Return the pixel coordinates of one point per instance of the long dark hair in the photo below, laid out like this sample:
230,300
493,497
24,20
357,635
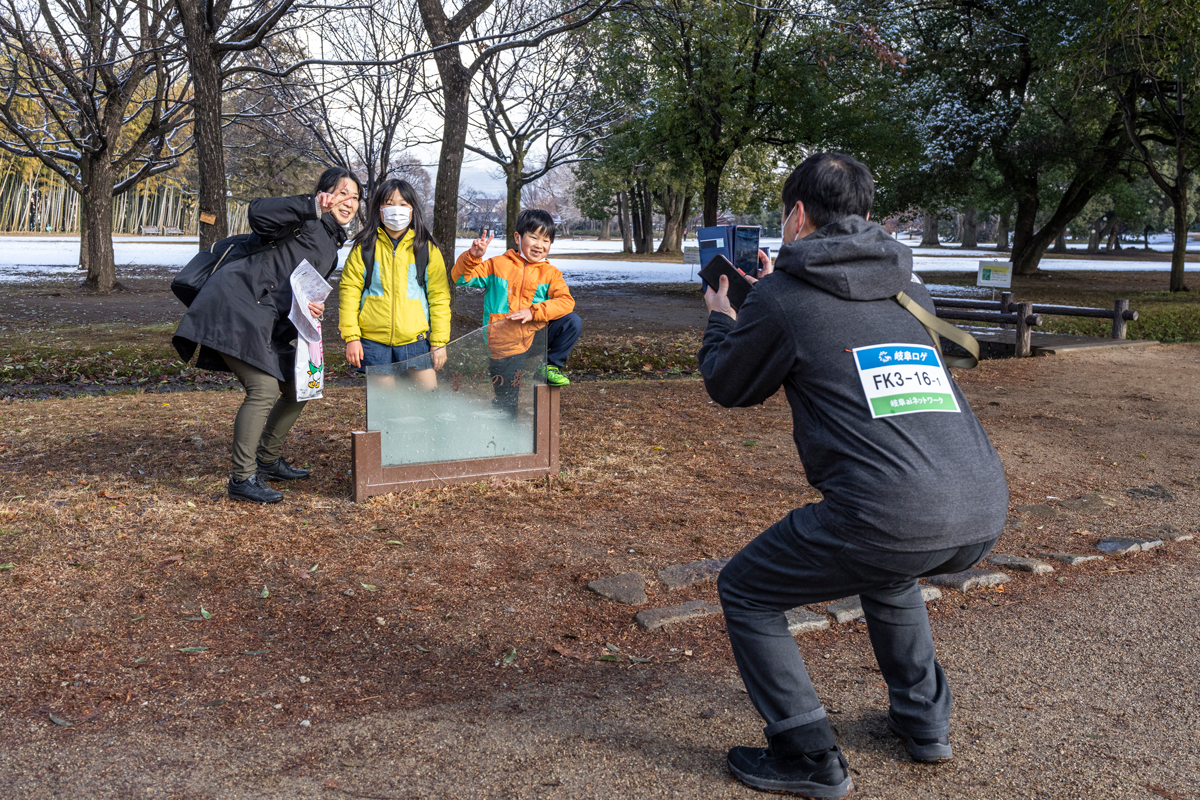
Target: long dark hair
421,232
331,177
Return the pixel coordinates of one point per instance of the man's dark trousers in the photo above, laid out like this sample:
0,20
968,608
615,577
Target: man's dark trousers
796,562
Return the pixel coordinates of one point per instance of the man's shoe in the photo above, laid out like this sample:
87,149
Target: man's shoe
927,750
253,489
280,471
824,777
554,376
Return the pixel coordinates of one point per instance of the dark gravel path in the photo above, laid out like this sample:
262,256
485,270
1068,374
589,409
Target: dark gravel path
1085,689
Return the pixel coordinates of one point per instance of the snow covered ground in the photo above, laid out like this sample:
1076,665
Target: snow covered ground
25,259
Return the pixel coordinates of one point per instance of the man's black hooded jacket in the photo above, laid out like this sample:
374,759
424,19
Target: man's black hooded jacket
912,482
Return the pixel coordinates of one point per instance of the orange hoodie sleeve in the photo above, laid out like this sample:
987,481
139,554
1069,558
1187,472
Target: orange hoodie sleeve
558,302
467,268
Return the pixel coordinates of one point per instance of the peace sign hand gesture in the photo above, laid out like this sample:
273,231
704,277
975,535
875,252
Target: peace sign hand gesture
480,245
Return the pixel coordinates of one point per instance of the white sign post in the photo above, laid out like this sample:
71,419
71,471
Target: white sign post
994,274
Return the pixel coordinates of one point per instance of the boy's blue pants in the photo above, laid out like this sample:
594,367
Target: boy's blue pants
560,336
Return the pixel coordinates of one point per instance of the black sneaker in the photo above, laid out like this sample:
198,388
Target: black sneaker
253,489
280,471
824,777
928,750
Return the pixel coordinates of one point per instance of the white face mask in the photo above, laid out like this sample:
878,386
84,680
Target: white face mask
396,218
798,226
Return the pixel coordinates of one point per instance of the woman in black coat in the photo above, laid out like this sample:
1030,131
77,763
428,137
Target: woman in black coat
240,322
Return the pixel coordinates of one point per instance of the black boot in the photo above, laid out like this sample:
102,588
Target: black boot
280,471
253,489
785,766
929,750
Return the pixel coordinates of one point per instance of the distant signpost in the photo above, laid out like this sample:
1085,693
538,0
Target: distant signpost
995,274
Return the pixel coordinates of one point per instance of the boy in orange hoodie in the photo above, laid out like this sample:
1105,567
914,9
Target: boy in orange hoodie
524,296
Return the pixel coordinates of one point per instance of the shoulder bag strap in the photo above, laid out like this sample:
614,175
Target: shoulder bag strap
935,326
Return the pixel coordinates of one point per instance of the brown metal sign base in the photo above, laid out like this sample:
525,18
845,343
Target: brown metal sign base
372,478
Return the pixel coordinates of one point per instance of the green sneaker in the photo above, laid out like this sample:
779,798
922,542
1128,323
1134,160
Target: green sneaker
554,376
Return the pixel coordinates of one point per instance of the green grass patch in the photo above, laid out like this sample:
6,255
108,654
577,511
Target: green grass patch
1169,323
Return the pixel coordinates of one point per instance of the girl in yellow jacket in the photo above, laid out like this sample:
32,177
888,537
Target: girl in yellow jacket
394,317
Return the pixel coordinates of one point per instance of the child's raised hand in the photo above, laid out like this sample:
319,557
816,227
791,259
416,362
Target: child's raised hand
480,245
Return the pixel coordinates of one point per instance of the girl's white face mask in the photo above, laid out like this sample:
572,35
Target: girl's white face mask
396,218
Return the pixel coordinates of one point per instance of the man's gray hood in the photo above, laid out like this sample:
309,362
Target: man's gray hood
853,259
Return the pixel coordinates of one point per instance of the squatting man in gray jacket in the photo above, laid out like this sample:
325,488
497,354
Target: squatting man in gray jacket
911,485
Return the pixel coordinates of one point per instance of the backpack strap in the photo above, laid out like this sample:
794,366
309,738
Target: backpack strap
422,264
367,251
935,326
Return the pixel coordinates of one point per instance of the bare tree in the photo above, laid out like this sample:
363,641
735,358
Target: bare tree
216,35
517,25
554,192
93,91
538,110
363,114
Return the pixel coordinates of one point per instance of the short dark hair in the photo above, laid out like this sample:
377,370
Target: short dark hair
532,220
331,177
832,186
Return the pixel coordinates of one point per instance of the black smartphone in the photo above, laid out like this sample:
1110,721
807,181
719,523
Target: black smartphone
739,287
745,249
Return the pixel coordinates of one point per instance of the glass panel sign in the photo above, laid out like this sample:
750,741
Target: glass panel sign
478,404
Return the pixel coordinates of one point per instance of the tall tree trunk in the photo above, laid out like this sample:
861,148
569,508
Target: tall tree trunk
204,64
970,237
1093,245
1060,242
1029,244
623,220
929,231
712,188
456,88
1179,247
84,260
1002,231
1033,246
635,213
1023,230
102,269
512,205
647,218
1106,230
676,207
605,229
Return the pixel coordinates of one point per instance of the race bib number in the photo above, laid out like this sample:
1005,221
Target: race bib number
903,379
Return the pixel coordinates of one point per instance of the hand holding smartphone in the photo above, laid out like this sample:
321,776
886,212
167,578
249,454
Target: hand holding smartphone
739,287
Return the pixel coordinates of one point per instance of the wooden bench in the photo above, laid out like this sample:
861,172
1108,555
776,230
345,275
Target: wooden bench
149,230
172,231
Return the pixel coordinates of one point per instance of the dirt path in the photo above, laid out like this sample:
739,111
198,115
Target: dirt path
1079,687
1073,692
